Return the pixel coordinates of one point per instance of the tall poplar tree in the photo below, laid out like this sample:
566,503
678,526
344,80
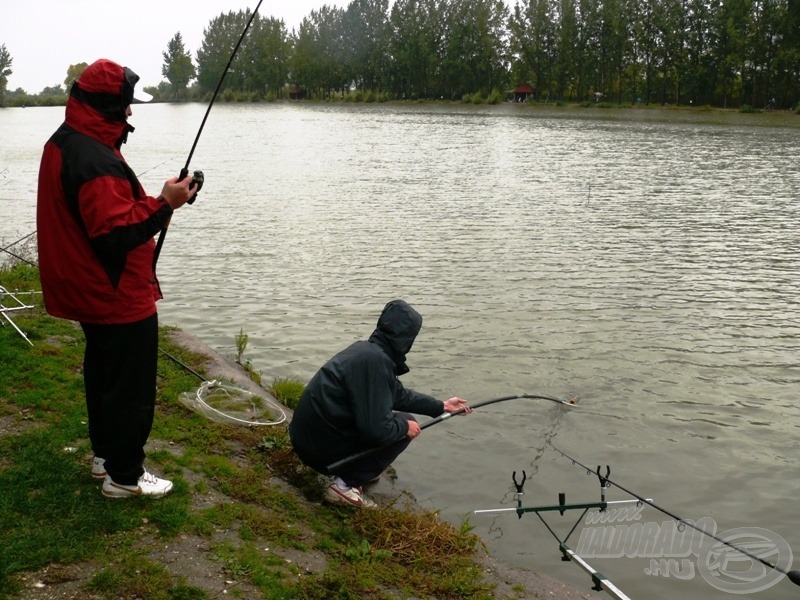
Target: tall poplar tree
266,58
219,40
416,47
178,67
5,71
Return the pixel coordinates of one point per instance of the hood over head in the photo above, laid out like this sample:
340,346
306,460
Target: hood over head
398,326
108,88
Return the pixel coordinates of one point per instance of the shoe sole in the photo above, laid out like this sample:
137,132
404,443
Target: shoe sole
334,497
339,500
118,492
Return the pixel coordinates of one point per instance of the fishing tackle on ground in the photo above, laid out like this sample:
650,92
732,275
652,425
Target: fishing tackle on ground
198,178
16,305
333,467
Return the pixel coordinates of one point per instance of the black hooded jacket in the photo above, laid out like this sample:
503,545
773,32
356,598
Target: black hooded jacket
349,404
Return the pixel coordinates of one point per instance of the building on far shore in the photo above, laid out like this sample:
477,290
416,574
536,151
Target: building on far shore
522,92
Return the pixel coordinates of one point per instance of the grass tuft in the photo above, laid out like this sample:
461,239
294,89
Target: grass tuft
287,390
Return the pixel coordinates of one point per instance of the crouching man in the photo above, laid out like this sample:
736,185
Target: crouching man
356,402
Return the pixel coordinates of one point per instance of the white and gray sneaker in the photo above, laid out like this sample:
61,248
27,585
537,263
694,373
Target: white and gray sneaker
148,485
349,496
99,468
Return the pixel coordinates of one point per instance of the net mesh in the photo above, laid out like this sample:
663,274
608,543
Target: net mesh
225,403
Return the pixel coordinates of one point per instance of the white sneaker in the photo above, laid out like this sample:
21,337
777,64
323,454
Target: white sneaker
148,485
352,496
99,468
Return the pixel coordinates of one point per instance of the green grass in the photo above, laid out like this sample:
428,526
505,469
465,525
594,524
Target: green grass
53,515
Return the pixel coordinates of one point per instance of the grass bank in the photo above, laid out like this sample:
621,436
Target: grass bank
245,519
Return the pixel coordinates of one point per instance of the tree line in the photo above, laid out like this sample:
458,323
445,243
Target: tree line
715,52
700,52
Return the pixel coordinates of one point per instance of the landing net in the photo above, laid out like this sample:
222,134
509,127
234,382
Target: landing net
225,403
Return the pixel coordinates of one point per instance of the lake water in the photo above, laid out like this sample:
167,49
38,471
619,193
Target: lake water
644,261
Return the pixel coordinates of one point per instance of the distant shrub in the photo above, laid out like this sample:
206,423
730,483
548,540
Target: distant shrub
475,98
237,96
494,97
746,108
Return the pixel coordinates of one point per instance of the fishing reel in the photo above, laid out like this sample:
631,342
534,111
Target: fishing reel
197,181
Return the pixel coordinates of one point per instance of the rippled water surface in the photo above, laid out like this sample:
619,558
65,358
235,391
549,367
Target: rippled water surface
644,261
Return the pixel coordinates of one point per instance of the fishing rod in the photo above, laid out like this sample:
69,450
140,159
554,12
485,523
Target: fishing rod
794,576
370,451
20,258
197,177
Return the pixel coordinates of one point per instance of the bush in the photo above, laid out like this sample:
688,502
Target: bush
475,98
494,97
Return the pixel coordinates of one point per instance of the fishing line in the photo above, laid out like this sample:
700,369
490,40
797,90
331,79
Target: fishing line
370,451
794,576
198,178
138,175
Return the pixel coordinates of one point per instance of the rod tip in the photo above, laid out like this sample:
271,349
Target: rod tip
794,577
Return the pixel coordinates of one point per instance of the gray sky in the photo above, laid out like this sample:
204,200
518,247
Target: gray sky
44,37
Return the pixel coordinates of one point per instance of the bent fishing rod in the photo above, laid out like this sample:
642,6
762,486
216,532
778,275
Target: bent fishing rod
794,576
370,451
197,177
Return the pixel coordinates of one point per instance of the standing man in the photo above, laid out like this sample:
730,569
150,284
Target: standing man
356,402
95,229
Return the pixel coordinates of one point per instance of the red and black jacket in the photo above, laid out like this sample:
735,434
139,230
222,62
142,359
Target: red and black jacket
95,223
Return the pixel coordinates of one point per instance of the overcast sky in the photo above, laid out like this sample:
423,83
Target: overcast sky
45,37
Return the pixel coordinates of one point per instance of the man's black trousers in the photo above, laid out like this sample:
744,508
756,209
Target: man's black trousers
119,373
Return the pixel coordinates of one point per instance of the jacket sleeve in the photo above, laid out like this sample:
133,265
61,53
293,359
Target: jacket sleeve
417,402
116,222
